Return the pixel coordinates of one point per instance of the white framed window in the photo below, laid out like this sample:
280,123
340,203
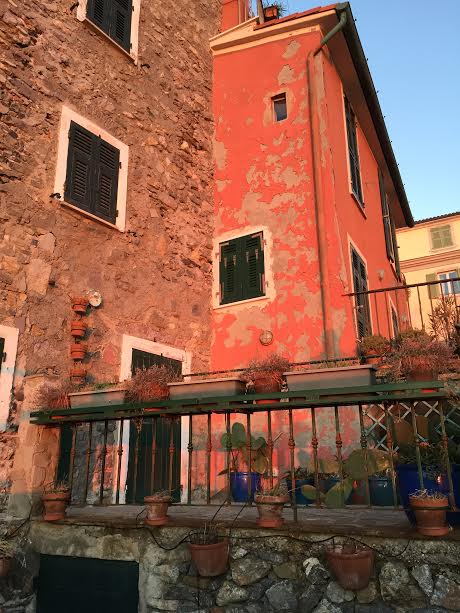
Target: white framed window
449,287
117,20
8,349
91,170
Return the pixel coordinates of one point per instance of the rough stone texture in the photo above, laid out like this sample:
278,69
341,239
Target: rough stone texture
161,109
368,594
229,593
337,594
447,592
422,574
326,607
249,570
282,596
396,586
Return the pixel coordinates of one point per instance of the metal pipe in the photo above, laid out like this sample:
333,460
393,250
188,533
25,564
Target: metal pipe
333,32
208,462
291,445
120,454
103,458
153,455
190,457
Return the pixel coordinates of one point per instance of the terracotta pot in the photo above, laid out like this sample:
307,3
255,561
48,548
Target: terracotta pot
271,12
270,510
422,375
78,329
77,351
430,515
371,358
5,565
79,304
352,569
264,384
157,510
78,374
55,504
210,560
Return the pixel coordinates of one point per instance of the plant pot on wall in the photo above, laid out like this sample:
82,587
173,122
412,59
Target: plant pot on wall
78,375
351,565
430,513
210,559
55,504
79,304
157,509
271,12
78,328
270,508
77,351
239,485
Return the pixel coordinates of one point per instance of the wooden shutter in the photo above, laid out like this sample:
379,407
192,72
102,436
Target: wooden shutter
361,300
79,177
98,12
2,350
106,181
120,27
433,290
253,266
386,219
230,272
353,152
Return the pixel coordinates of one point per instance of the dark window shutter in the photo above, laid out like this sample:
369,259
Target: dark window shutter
230,272
394,318
142,360
253,266
353,153
120,26
2,350
98,12
433,290
396,252
363,319
106,181
386,220
79,177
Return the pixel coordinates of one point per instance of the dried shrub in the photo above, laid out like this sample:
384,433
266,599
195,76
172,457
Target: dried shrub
443,319
271,368
374,344
6,549
51,396
151,384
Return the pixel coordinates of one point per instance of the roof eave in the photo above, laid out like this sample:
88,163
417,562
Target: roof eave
362,70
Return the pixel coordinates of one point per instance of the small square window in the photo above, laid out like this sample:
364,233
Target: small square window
441,237
280,107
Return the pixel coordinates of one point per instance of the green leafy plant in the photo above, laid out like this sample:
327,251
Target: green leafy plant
360,464
237,441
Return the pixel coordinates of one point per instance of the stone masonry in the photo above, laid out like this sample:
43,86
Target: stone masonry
154,277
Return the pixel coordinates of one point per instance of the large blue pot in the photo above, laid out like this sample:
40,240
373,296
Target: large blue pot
409,483
239,483
299,497
328,483
381,491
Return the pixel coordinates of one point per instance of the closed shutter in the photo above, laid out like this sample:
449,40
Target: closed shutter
230,272
386,220
433,290
361,300
2,349
98,11
396,252
353,152
92,173
121,22
253,265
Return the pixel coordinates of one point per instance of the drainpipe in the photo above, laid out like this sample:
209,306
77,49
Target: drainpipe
260,11
318,191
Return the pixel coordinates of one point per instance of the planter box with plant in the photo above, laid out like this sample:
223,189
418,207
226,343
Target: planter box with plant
430,509
53,396
270,505
55,501
202,388
266,375
351,564
209,551
321,378
151,384
373,348
237,443
6,555
157,508
99,395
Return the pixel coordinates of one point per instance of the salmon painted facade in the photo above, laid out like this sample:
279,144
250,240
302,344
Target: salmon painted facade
307,191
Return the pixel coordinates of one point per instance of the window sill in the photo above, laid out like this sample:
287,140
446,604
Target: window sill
243,302
89,215
94,27
361,205
443,249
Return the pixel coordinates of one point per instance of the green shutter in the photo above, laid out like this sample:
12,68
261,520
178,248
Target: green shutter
106,181
230,271
79,177
433,290
253,266
120,26
98,11
387,222
2,349
396,252
363,320
353,153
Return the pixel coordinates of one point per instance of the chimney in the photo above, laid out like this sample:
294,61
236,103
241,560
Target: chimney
234,12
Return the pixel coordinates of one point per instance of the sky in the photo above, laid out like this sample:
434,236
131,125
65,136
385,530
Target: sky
413,52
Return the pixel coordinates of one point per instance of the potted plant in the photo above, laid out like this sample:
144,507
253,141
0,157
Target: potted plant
302,476
209,551
373,348
78,351
266,375
157,508
78,374
98,395
429,508
237,442
417,356
55,501
207,388
344,375
6,555
351,564
51,396
381,489
79,304
270,504
150,384
273,10
78,328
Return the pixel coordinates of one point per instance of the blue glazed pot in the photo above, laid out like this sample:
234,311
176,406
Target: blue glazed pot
239,482
381,491
299,497
330,482
408,482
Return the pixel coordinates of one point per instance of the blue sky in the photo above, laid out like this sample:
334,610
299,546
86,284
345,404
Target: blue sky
413,51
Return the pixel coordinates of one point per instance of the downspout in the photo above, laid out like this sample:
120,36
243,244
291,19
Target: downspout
260,11
318,191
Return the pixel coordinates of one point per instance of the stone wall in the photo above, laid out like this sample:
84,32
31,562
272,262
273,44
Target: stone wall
154,277
267,572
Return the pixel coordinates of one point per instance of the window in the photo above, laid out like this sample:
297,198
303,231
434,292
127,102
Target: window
359,273
114,18
395,322
241,268
91,170
8,349
450,287
353,153
441,237
280,107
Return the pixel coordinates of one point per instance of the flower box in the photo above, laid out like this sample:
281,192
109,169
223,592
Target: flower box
97,398
323,378
203,388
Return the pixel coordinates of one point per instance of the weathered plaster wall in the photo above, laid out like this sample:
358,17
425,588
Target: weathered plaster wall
155,277
264,180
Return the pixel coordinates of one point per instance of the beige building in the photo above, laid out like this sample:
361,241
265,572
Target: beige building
430,252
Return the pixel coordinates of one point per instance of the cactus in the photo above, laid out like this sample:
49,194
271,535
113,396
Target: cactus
237,441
